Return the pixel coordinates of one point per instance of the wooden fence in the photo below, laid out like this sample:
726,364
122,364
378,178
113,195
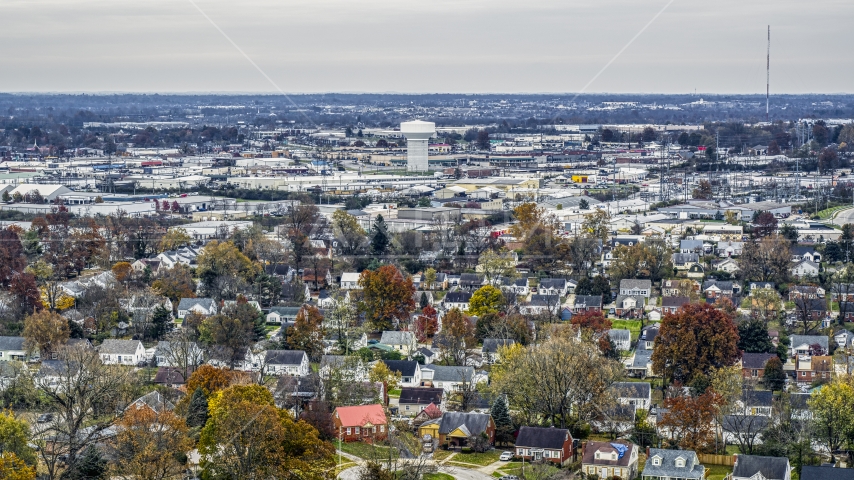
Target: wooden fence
705,458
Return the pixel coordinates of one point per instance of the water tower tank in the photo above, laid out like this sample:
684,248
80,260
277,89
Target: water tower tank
417,133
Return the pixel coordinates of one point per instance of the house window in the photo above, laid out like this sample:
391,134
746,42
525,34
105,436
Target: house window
680,463
803,374
348,430
357,430
656,461
382,428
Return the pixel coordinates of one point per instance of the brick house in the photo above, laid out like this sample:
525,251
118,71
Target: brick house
550,444
818,367
362,423
753,364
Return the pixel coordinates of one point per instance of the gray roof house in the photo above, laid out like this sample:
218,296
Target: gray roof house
489,351
448,378
283,315
291,362
202,306
471,423
634,287
638,394
403,342
771,468
620,338
826,472
800,344
13,348
666,464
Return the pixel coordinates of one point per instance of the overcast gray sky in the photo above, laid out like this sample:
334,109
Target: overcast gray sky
475,46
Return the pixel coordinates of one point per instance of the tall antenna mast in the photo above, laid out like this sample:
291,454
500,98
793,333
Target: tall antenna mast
768,75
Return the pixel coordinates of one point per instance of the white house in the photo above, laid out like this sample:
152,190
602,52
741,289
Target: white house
638,394
636,288
121,352
403,342
178,354
202,306
13,348
450,378
291,362
805,268
350,280
282,315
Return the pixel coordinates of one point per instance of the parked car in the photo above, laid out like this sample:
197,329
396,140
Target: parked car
506,456
45,418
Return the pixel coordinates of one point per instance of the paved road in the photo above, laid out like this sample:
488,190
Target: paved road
844,216
459,473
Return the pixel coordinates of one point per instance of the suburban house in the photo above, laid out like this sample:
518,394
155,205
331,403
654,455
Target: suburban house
801,345
154,401
518,286
826,472
458,300
403,342
629,306
13,348
646,339
754,286
805,252
621,339
121,352
842,292
808,292
364,423
672,464
843,338
805,268
172,377
610,459
691,246
584,303
410,371
350,280
817,367
638,394
726,265
448,378
846,309
729,249
757,402
753,467
455,428
636,288
201,306
673,304
489,351
552,286
550,444
178,354
678,287
715,289
640,364
283,315
540,304
471,281
753,364
291,362
815,308
740,429
684,261
413,400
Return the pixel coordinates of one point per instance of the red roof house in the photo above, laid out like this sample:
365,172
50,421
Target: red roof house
364,423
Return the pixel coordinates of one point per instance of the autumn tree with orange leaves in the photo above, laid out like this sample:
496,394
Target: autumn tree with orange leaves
210,379
690,420
151,445
386,297
695,340
307,333
591,321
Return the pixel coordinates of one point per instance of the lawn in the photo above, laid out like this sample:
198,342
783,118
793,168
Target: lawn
436,476
515,468
395,392
439,454
482,459
632,326
717,472
366,450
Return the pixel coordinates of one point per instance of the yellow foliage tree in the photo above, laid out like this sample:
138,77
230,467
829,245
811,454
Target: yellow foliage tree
13,468
381,373
151,445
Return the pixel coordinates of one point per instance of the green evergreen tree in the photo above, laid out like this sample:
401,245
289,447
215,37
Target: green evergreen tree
774,377
197,410
423,301
90,466
753,337
503,423
379,236
161,323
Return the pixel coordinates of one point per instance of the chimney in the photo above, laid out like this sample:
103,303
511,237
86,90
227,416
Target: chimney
735,459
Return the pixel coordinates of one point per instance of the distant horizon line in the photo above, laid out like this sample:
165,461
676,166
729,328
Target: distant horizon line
277,94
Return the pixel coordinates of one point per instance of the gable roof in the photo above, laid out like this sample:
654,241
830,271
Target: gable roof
171,375
668,468
420,396
284,357
407,368
119,347
491,345
457,297
450,374
675,301
188,303
632,389
606,447
798,340
588,300
397,338
631,284
755,360
556,283
475,423
156,401
826,472
619,334
538,437
358,416
12,343
772,468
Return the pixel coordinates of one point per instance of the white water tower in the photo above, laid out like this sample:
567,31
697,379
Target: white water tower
417,133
